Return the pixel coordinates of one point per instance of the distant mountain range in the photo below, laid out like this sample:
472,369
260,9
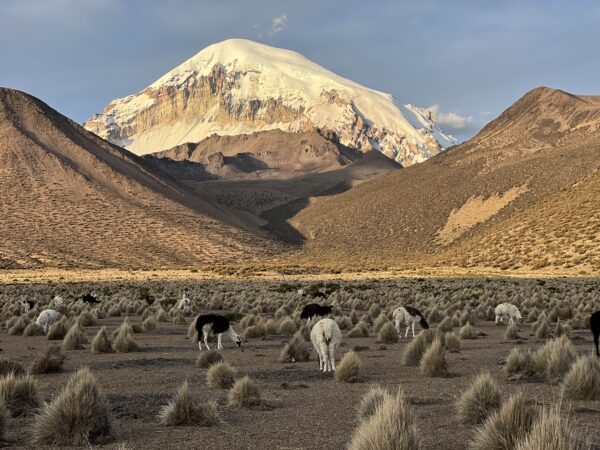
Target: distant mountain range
240,87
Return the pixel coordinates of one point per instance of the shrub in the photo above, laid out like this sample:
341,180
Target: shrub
387,334
466,332
520,363
77,416
582,382
348,368
179,319
287,327
19,394
391,427
114,311
550,432
182,410
244,394
86,319
150,324
220,376
555,358
543,330
50,361
58,330
452,342
18,327
137,327
208,358
418,346
505,427
433,363
254,331
446,325
295,350
479,400
512,332
124,342
33,329
161,315
101,343
75,338
370,401
8,366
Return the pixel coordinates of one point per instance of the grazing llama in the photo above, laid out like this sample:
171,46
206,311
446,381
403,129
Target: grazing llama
184,303
595,326
325,337
46,318
507,310
214,324
408,316
27,305
314,309
90,299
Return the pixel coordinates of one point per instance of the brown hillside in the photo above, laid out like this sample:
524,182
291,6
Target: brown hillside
546,142
72,199
266,154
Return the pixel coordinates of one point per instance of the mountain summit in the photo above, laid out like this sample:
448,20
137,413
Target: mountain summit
240,87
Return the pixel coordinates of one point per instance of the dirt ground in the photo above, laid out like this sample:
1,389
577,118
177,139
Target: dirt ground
303,409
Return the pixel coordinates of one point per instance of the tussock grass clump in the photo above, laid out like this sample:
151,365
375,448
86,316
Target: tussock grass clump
254,331
183,410
58,330
77,416
114,311
555,358
550,432
520,363
446,325
348,369
124,342
433,363
33,329
512,332
18,327
51,361
359,331
505,427
220,376
370,401
8,366
87,319
150,323
192,332
387,334
392,426
582,382
467,332
208,358
479,400
452,342
295,350
75,338
101,343
244,394
418,346
137,327
287,327
543,330
179,319
19,394
161,315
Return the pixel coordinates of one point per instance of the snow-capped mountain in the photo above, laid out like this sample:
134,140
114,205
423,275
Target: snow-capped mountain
239,87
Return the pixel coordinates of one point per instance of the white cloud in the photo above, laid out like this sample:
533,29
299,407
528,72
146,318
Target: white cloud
278,24
451,120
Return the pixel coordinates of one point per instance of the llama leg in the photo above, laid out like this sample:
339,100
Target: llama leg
206,340
332,357
324,357
219,345
413,328
406,334
596,339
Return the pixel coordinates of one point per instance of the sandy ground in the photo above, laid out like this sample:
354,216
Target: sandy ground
303,409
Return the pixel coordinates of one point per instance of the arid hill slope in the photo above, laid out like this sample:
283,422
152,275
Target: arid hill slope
542,145
72,199
266,154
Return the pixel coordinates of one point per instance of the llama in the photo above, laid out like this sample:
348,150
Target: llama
408,316
57,301
325,337
46,318
595,326
90,299
27,305
211,324
314,309
184,303
315,294
507,310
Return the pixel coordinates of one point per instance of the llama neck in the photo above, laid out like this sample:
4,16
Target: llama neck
232,334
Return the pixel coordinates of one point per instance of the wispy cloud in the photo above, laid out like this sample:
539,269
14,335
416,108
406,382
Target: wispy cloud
451,120
278,24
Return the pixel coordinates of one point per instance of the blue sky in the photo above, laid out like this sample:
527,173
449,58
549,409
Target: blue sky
471,58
